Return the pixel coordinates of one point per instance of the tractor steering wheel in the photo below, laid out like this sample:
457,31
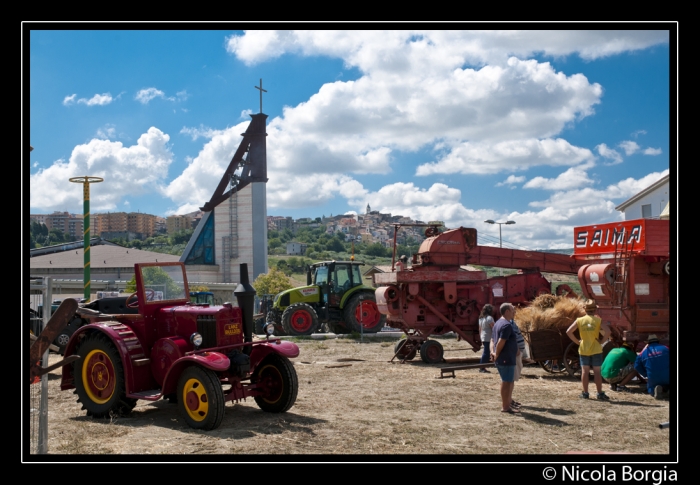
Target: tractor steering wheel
134,296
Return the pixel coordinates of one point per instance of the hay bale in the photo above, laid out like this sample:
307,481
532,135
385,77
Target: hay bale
549,312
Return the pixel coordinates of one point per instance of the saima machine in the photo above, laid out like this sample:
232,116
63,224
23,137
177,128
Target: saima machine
625,268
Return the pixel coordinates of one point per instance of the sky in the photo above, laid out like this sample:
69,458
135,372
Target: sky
550,129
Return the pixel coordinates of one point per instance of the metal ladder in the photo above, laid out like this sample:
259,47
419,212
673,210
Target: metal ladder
623,253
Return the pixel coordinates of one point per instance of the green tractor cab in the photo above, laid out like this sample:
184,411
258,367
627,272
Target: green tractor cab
202,297
334,295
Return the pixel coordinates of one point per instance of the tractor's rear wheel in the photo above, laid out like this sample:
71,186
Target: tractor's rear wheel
299,319
259,326
200,398
99,378
431,352
276,377
363,309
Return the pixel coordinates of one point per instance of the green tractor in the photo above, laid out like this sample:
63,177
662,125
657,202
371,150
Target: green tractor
334,295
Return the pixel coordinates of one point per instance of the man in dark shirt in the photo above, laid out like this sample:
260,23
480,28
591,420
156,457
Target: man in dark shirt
503,356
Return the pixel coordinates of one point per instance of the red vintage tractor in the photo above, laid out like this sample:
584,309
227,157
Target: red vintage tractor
197,355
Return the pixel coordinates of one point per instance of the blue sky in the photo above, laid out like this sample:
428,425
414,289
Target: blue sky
551,129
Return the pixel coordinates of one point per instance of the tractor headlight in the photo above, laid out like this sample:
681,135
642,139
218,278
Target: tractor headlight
269,329
196,339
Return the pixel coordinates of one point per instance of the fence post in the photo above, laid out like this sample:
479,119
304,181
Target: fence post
43,438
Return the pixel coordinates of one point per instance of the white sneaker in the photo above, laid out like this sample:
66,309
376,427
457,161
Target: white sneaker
659,392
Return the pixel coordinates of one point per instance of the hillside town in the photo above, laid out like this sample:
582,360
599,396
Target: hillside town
368,228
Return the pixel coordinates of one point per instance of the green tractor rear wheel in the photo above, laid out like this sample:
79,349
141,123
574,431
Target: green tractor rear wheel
299,319
362,308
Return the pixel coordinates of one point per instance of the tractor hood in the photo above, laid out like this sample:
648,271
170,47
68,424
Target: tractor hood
306,294
185,319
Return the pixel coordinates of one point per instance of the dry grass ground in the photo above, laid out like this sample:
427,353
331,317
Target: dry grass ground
352,401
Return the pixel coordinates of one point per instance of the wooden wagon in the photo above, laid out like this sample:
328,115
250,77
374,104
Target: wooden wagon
554,351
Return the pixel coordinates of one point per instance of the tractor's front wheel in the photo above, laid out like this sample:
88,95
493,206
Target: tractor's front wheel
99,378
361,314
200,398
277,380
299,319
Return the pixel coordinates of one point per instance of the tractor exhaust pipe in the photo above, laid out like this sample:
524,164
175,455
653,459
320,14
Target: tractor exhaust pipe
245,294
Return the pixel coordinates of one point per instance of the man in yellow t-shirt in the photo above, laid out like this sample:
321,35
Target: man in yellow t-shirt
590,349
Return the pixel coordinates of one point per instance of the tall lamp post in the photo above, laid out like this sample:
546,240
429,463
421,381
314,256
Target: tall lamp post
500,238
86,181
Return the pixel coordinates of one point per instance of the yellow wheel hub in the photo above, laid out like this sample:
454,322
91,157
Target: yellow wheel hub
194,395
98,376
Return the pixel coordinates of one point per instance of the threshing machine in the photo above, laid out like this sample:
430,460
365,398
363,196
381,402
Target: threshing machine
436,296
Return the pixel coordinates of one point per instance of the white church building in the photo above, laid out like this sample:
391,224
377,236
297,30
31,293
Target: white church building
233,229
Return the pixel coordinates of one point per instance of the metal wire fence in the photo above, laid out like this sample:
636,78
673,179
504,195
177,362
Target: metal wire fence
37,407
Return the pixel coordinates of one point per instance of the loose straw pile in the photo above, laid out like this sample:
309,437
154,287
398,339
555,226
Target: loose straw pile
549,312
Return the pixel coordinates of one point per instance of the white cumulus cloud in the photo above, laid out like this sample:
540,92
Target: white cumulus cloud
652,151
629,147
511,180
144,96
571,179
127,171
609,153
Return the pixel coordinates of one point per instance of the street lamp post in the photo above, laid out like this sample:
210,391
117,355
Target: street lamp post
500,238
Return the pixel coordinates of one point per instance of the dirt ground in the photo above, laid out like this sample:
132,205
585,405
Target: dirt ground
353,401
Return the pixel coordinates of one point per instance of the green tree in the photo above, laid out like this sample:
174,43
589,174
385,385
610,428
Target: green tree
284,267
181,237
293,263
377,249
335,244
271,283
286,235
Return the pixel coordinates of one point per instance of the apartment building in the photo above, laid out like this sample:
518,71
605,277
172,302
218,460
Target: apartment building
144,225
177,223
71,224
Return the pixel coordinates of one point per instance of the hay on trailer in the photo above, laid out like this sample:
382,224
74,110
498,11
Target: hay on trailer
549,312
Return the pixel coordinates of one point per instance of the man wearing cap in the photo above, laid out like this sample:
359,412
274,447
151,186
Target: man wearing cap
618,366
654,363
590,348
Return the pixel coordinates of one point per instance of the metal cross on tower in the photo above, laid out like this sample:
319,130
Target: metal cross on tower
261,91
